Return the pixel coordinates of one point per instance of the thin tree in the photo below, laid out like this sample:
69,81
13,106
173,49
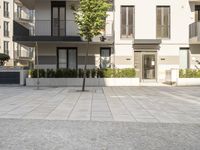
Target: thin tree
90,16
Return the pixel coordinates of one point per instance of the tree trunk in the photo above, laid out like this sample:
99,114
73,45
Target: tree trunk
85,68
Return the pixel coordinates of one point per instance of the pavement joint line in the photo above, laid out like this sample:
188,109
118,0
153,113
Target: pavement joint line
107,103
41,103
140,104
133,117
76,102
181,98
19,106
63,99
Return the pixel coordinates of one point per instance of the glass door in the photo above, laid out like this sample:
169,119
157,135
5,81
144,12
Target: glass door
149,66
67,58
58,20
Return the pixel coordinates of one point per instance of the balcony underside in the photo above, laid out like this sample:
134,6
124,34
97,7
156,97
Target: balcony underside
194,1
30,41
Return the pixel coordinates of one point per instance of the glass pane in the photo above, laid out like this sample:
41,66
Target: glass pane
149,65
130,21
123,21
62,58
166,16
62,21
184,59
72,59
159,22
105,58
55,21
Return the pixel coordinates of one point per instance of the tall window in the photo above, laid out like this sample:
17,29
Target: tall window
197,13
105,54
127,21
58,18
67,58
6,29
6,9
19,11
163,21
6,47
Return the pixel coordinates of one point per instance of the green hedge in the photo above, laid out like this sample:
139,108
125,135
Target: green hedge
189,73
90,73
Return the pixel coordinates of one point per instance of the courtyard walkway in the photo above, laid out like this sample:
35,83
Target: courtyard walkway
129,104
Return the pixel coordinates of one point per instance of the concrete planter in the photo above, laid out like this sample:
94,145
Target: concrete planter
59,82
188,81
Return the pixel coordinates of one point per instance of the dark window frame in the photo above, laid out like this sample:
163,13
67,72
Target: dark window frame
101,49
59,4
67,51
127,29
6,29
6,47
6,9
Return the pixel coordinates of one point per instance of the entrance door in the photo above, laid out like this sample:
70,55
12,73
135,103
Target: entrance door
149,66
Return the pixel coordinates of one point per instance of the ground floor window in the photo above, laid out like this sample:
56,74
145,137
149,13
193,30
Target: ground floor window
184,58
105,60
67,58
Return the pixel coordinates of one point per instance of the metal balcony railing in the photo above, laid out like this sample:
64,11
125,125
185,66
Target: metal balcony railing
63,28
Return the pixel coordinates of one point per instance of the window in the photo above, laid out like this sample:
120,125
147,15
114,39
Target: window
58,18
127,21
197,13
163,22
67,58
6,29
19,11
6,47
6,9
184,58
105,61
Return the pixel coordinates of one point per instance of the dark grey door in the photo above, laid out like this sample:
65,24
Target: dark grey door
9,78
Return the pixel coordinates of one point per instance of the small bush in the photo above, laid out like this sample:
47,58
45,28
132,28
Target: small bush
41,73
80,73
50,73
92,73
189,73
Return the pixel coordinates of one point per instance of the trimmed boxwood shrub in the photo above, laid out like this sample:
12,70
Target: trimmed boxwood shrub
189,73
90,73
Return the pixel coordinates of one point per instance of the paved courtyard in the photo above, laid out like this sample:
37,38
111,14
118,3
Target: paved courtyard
127,104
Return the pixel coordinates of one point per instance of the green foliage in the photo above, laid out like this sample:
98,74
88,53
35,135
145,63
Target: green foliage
41,73
80,73
100,73
50,73
90,73
93,73
90,17
3,59
189,73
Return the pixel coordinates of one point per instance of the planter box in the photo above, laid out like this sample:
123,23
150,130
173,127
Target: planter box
188,81
91,82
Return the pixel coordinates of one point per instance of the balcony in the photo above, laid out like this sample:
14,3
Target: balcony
194,1
194,33
63,30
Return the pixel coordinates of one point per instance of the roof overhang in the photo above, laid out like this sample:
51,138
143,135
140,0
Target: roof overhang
147,44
